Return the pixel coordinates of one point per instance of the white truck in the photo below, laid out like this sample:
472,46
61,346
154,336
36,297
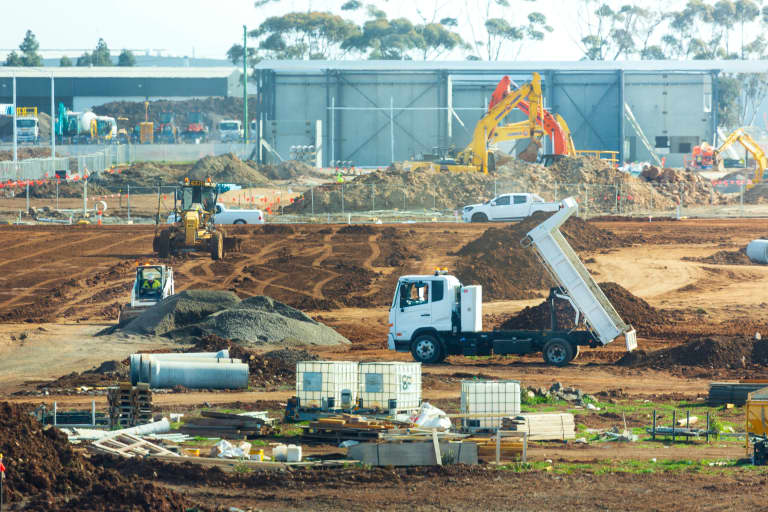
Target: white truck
27,128
226,215
507,207
434,316
230,130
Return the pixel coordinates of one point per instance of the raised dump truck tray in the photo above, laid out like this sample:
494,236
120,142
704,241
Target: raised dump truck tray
566,268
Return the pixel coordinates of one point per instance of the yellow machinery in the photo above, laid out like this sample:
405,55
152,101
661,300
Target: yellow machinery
194,229
752,147
757,424
476,157
146,132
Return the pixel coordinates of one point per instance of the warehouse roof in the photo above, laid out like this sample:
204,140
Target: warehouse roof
119,72
314,66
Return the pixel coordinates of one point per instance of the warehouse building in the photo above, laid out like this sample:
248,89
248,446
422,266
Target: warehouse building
81,88
373,112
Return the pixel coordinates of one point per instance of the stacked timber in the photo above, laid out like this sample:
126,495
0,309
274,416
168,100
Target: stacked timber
346,426
229,426
542,426
129,405
732,392
511,448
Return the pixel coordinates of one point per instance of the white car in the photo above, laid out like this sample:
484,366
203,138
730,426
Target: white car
226,215
508,207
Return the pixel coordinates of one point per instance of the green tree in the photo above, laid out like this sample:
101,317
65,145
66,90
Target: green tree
101,56
235,55
85,60
385,39
729,91
745,11
29,47
501,35
303,35
126,59
436,39
14,59
65,62
684,26
608,34
351,5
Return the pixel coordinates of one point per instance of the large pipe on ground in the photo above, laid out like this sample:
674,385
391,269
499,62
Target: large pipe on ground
136,371
198,375
757,251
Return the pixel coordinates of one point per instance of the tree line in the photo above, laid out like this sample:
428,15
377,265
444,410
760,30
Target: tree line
28,55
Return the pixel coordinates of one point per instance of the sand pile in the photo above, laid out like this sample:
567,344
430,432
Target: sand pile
631,308
287,170
24,152
47,474
506,270
737,257
226,169
256,320
710,352
143,174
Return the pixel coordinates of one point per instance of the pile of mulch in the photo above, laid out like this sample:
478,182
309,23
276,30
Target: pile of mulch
632,309
507,270
709,352
43,472
274,368
737,257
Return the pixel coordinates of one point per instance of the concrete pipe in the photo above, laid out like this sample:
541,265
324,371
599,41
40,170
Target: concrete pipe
198,375
757,251
140,362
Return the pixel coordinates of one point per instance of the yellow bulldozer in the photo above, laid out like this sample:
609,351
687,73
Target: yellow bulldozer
191,224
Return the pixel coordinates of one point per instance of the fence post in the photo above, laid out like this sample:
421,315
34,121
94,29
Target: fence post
57,192
312,196
373,197
128,201
586,200
85,196
494,187
342,197
555,192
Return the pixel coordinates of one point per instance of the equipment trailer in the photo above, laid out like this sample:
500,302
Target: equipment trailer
434,316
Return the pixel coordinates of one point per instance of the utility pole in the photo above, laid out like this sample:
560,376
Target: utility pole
53,130
245,92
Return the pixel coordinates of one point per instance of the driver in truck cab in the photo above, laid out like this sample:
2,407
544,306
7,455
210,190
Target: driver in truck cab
150,285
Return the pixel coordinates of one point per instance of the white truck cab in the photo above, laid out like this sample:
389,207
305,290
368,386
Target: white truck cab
230,130
508,207
224,215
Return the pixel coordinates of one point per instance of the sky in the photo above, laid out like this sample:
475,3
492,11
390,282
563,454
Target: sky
207,28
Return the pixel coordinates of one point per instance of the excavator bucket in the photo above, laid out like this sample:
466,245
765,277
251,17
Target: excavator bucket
530,153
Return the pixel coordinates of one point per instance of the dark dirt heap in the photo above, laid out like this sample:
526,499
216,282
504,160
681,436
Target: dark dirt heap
287,170
44,471
507,270
108,373
711,352
737,257
226,169
213,110
142,174
257,320
632,309
273,368
672,183
23,153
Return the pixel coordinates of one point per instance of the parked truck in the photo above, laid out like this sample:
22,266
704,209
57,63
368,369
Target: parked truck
27,125
434,316
224,215
230,130
508,207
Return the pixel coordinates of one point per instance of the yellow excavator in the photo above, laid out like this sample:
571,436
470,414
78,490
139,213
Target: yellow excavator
476,156
751,146
194,229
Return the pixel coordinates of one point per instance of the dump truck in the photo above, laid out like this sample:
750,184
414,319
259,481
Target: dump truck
152,284
756,412
435,315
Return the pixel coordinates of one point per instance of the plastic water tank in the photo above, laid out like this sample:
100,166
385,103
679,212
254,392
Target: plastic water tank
757,251
198,375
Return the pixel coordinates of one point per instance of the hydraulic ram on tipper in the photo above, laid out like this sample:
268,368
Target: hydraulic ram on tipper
571,274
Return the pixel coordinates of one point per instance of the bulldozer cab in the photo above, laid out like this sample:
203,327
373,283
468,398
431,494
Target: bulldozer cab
149,280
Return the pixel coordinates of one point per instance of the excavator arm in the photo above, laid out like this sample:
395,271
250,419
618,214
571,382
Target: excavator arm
554,126
752,147
476,153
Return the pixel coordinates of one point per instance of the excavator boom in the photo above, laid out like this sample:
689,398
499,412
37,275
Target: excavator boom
751,146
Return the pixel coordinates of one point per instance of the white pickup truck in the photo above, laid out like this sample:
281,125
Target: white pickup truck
226,215
507,207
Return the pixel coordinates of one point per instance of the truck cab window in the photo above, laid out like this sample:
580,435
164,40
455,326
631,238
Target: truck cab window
437,291
502,201
519,199
414,294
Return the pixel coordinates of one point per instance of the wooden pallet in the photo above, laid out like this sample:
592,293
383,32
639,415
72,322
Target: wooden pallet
128,445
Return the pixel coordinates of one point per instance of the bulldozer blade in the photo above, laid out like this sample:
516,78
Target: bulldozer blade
232,243
530,153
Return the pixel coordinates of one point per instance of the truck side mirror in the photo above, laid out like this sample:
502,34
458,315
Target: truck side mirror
493,203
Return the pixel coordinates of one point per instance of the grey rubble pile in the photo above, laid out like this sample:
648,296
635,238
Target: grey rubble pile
256,320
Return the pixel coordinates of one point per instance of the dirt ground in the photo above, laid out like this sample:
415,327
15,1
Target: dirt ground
62,284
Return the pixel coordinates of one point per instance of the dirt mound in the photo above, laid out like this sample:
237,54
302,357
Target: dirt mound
47,189
226,169
631,308
287,170
261,320
44,470
181,310
277,229
213,110
757,194
712,352
737,257
356,229
142,174
23,153
108,373
273,368
507,270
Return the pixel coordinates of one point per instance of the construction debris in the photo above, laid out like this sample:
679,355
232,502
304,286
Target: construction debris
129,405
231,426
128,445
542,426
345,427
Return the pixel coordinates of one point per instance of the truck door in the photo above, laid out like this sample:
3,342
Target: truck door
520,206
500,208
412,308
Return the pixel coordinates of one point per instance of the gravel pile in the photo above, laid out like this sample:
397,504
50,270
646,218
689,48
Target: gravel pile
181,310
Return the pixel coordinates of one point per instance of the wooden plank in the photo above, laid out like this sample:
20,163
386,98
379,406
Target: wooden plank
436,446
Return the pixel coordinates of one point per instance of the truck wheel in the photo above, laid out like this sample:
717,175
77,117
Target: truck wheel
479,217
217,246
427,349
557,352
239,221
164,244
